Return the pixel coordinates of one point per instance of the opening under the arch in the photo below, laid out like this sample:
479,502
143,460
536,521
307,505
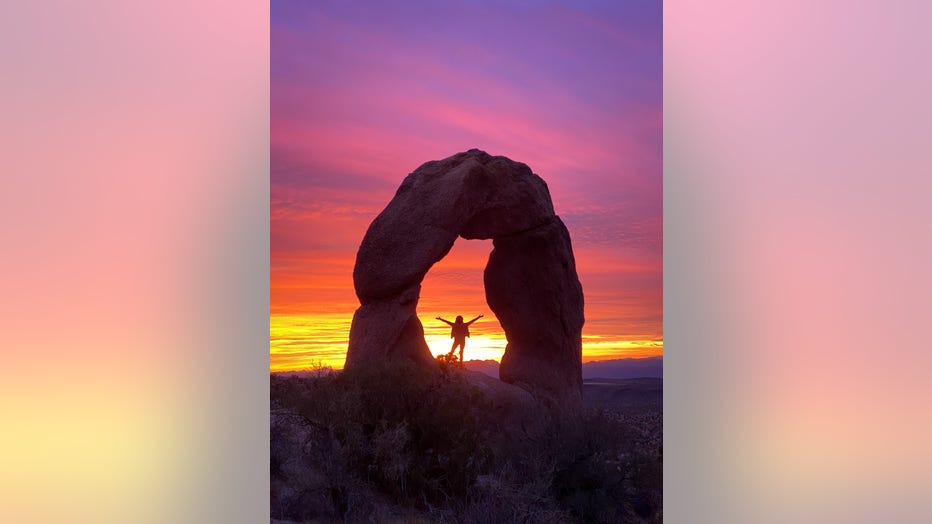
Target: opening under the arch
454,286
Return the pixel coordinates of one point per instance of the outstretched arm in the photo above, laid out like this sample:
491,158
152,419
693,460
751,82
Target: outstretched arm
444,320
473,320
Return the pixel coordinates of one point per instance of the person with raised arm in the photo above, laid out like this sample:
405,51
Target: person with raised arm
459,332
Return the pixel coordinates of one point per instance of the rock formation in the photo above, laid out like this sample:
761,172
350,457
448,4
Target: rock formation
530,280
531,285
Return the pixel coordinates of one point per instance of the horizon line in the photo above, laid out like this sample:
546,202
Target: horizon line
334,368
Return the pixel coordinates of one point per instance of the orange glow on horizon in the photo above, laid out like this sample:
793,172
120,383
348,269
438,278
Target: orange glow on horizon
310,319
300,343
345,132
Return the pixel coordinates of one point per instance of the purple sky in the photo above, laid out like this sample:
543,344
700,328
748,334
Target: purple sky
364,94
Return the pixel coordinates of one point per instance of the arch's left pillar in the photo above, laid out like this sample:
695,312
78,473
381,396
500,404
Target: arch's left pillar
388,328
401,245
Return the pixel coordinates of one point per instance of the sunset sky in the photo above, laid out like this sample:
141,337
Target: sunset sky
361,95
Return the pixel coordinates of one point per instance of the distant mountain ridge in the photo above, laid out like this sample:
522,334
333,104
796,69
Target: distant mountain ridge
650,367
488,367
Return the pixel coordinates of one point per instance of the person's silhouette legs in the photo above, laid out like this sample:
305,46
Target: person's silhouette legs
461,344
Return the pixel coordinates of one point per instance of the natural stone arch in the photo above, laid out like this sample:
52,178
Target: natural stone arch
530,280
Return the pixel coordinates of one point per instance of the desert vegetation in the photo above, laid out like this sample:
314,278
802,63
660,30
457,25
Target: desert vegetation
394,442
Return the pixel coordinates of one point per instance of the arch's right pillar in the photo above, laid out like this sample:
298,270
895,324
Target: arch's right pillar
532,286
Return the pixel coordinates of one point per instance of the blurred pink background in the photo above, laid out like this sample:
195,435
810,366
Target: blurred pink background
797,261
134,197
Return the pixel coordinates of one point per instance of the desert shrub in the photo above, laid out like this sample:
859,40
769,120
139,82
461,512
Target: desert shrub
443,449
413,434
310,478
599,474
587,480
572,467
394,442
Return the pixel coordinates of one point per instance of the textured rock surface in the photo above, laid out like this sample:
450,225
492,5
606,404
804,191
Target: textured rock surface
513,407
536,293
472,194
531,285
388,328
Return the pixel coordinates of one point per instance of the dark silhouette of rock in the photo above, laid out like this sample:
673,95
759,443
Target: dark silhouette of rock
471,194
531,281
513,408
388,328
531,284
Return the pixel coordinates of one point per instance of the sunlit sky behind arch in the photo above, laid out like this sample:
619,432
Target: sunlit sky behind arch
361,96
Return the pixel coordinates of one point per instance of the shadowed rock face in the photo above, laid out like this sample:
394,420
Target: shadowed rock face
531,285
531,282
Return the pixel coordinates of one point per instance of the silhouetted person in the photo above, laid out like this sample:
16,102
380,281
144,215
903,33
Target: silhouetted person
459,333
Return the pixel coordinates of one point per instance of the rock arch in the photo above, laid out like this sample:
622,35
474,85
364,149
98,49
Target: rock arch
530,279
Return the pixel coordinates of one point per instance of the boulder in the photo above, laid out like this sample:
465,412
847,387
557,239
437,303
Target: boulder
388,328
532,271
532,286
